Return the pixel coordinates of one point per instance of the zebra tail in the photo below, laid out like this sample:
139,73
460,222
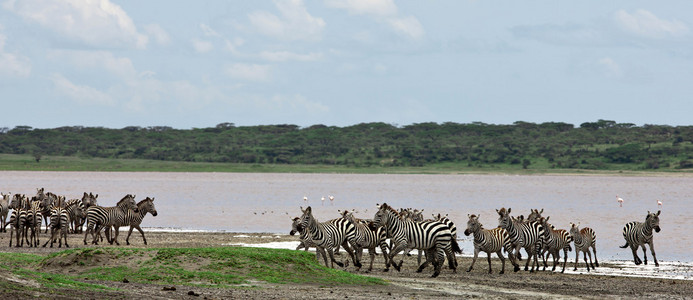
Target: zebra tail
455,247
624,246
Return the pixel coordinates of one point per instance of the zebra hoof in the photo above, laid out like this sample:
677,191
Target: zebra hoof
469,270
517,268
501,272
386,270
358,264
339,264
435,274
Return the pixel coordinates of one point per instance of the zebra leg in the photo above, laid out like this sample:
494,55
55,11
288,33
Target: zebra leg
438,261
489,262
644,253
565,259
502,259
356,260
590,255
654,256
452,260
321,250
394,253
636,259
429,257
116,230
141,232
371,253
330,251
383,248
584,255
476,254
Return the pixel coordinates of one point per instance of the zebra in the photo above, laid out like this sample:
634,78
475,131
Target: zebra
34,218
4,210
432,236
75,211
489,241
638,234
555,240
534,215
88,200
367,237
528,235
328,235
134,218
44,199
584,239
450,224
99,217
304,236
60,223
18,219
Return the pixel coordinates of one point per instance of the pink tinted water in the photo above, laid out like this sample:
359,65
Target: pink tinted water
248,202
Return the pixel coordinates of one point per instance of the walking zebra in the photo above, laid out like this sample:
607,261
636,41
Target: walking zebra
4,210
304,236
134,219
640,233
328,235
99,217
367,237
432,236
527,235
489,241
60,223
584,239
453,228
555,240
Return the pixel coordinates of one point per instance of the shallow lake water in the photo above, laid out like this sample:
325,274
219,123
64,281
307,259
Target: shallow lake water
260,202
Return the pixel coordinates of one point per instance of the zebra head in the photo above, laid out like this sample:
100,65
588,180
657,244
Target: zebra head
575,229
547,227
473,225
504,220
382,216
652,220
306,219
128,202
89,199
16,202
147,206
534,215
294,226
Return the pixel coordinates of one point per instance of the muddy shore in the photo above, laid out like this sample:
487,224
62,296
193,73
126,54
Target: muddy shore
406,284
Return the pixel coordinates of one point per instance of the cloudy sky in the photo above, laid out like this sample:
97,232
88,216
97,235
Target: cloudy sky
190,64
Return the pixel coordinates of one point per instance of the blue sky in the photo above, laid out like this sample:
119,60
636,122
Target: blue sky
190,64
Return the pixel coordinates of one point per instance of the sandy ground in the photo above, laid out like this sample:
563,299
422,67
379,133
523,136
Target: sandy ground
406,284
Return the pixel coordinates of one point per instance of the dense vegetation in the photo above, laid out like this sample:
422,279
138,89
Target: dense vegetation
601,145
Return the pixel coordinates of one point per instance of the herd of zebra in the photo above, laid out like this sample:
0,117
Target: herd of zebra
406,230
63,216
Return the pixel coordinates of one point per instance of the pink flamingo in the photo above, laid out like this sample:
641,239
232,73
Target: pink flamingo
659,203
620,201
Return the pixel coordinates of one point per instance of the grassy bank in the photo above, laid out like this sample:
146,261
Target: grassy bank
13,162
208,267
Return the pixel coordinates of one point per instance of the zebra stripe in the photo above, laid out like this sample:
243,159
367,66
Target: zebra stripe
34,218
638,234
75,211
584,239
99,217
432,236
490,241
4,210
527,235
555,240
134,219
368,238
328,235
60,222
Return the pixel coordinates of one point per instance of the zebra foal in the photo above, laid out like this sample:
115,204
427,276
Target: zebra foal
584,239
490,241
555,240
638,234
366,237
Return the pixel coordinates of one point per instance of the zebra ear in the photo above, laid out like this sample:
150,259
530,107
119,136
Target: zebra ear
547,218
659,212
509,209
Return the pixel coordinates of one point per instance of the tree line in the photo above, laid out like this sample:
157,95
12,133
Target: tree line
599,145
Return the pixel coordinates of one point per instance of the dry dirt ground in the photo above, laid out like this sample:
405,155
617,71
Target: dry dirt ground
406,284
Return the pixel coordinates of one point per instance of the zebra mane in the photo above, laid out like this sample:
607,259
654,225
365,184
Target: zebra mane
143,200
387,207
126,197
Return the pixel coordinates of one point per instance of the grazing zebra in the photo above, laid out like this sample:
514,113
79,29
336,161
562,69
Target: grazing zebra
134,219
640,233
555,240
432,236
489,241
328,235
584,239
60,223
527,235
367,237
99,217
4,210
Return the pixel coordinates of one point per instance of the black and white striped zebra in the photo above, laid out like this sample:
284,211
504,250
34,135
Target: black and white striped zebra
527,235
60,224
75,211
638,234
88,200
327,235
450,224
534,215
490,241
555,240
367,238
99,217
34,218
431,236
19,206
4,210
134,218
584,239
305,241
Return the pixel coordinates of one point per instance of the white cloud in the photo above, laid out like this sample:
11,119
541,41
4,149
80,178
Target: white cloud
645,24
366,7
11,64
121,67
159,34
80,93
208,31
383,11
202,46
95,22
293,104
253,72
408,26
610,68
281,56
295,23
